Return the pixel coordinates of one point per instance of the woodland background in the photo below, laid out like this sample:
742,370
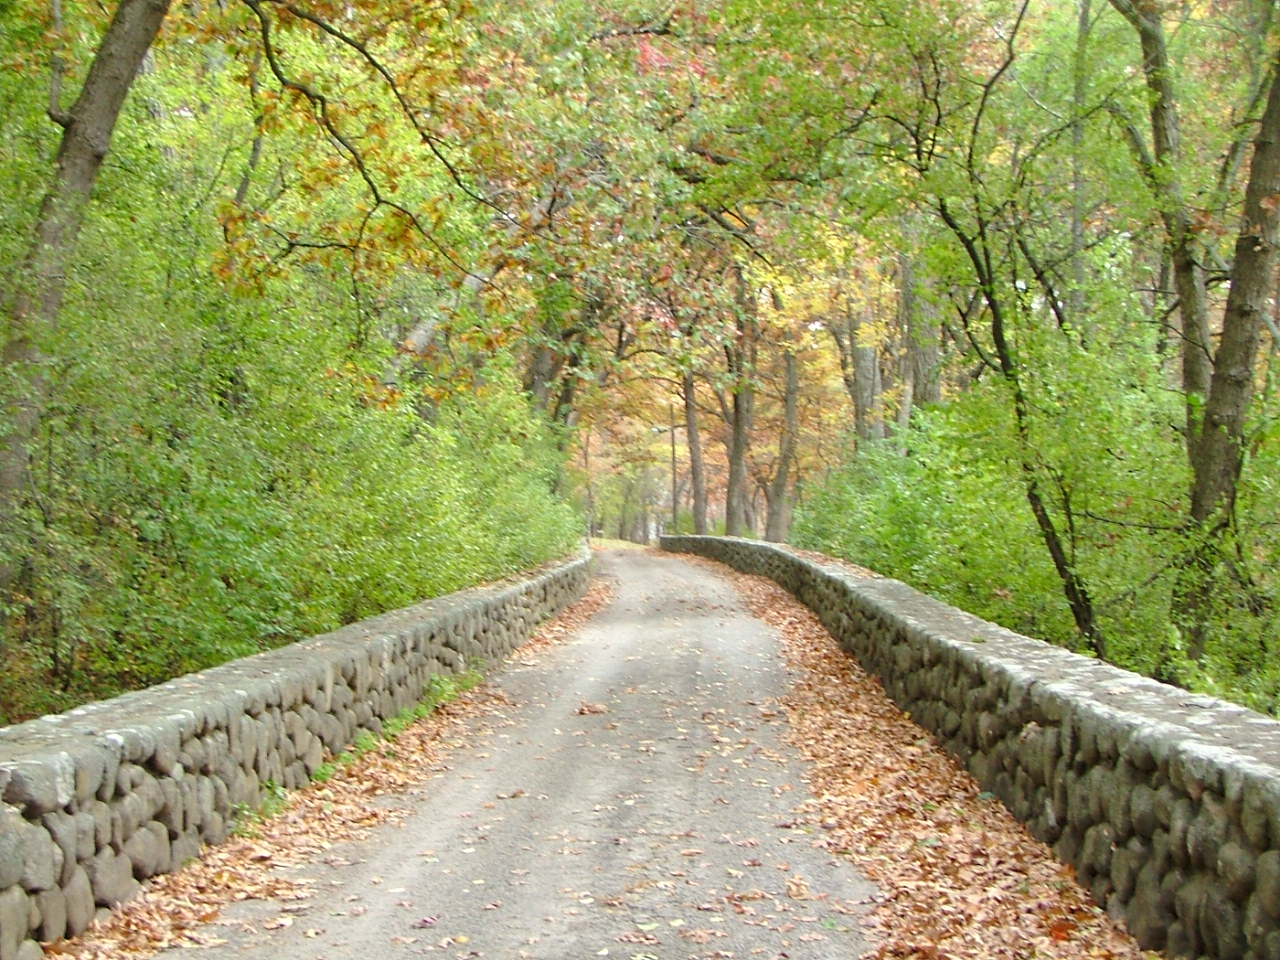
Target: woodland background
312,309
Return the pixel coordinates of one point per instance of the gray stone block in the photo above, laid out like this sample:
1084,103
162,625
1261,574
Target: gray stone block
1267,883
40,786
1180,820
1127,864
90,769
167,740
1236,866
1206,834
78,895
183,849
1254,816
62,828
13,922
148,850
1142,811
41,858
137,743
1257,925
11,862
53,915
111,876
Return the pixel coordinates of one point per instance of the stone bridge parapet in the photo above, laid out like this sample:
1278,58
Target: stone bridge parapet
110,793
1167,803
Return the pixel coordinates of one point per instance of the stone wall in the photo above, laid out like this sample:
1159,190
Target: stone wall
99,798
1167,803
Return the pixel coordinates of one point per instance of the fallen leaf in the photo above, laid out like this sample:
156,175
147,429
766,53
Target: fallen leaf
637,936
797,888
879,784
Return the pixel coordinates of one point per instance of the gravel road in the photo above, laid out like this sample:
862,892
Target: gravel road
635,802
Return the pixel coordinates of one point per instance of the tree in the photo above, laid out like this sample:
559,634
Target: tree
1218,382
36,301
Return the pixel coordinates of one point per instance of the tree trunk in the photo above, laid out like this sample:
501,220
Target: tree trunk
693,436
907,356
1218,386
778,492
741,356
860,371
1217,451
921,360
868,407
87,130
1080,69
737,506
1162,175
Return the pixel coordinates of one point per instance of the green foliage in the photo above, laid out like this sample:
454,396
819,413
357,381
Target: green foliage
241,492
945,519
949,518
220,469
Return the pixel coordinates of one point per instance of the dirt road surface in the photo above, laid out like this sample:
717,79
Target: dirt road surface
634,801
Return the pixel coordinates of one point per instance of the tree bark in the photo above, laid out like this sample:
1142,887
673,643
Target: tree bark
737,505
860,371
693,437
1217,450
1161,172
741,356
778,492
1217,453
37,301
921,363
1080,70
868,406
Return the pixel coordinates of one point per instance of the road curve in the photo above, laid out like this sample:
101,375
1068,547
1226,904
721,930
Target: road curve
636,801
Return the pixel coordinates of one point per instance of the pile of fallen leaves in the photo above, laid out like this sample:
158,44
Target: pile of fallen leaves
175,907
959,877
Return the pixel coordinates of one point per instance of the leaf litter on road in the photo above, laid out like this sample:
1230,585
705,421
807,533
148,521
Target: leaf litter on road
960,877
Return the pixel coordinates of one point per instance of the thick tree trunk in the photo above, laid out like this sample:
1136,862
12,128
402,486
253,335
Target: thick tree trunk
778,492
868,405
1080,70
741,357
920,364
693,435
33,313
1217,451
907,358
